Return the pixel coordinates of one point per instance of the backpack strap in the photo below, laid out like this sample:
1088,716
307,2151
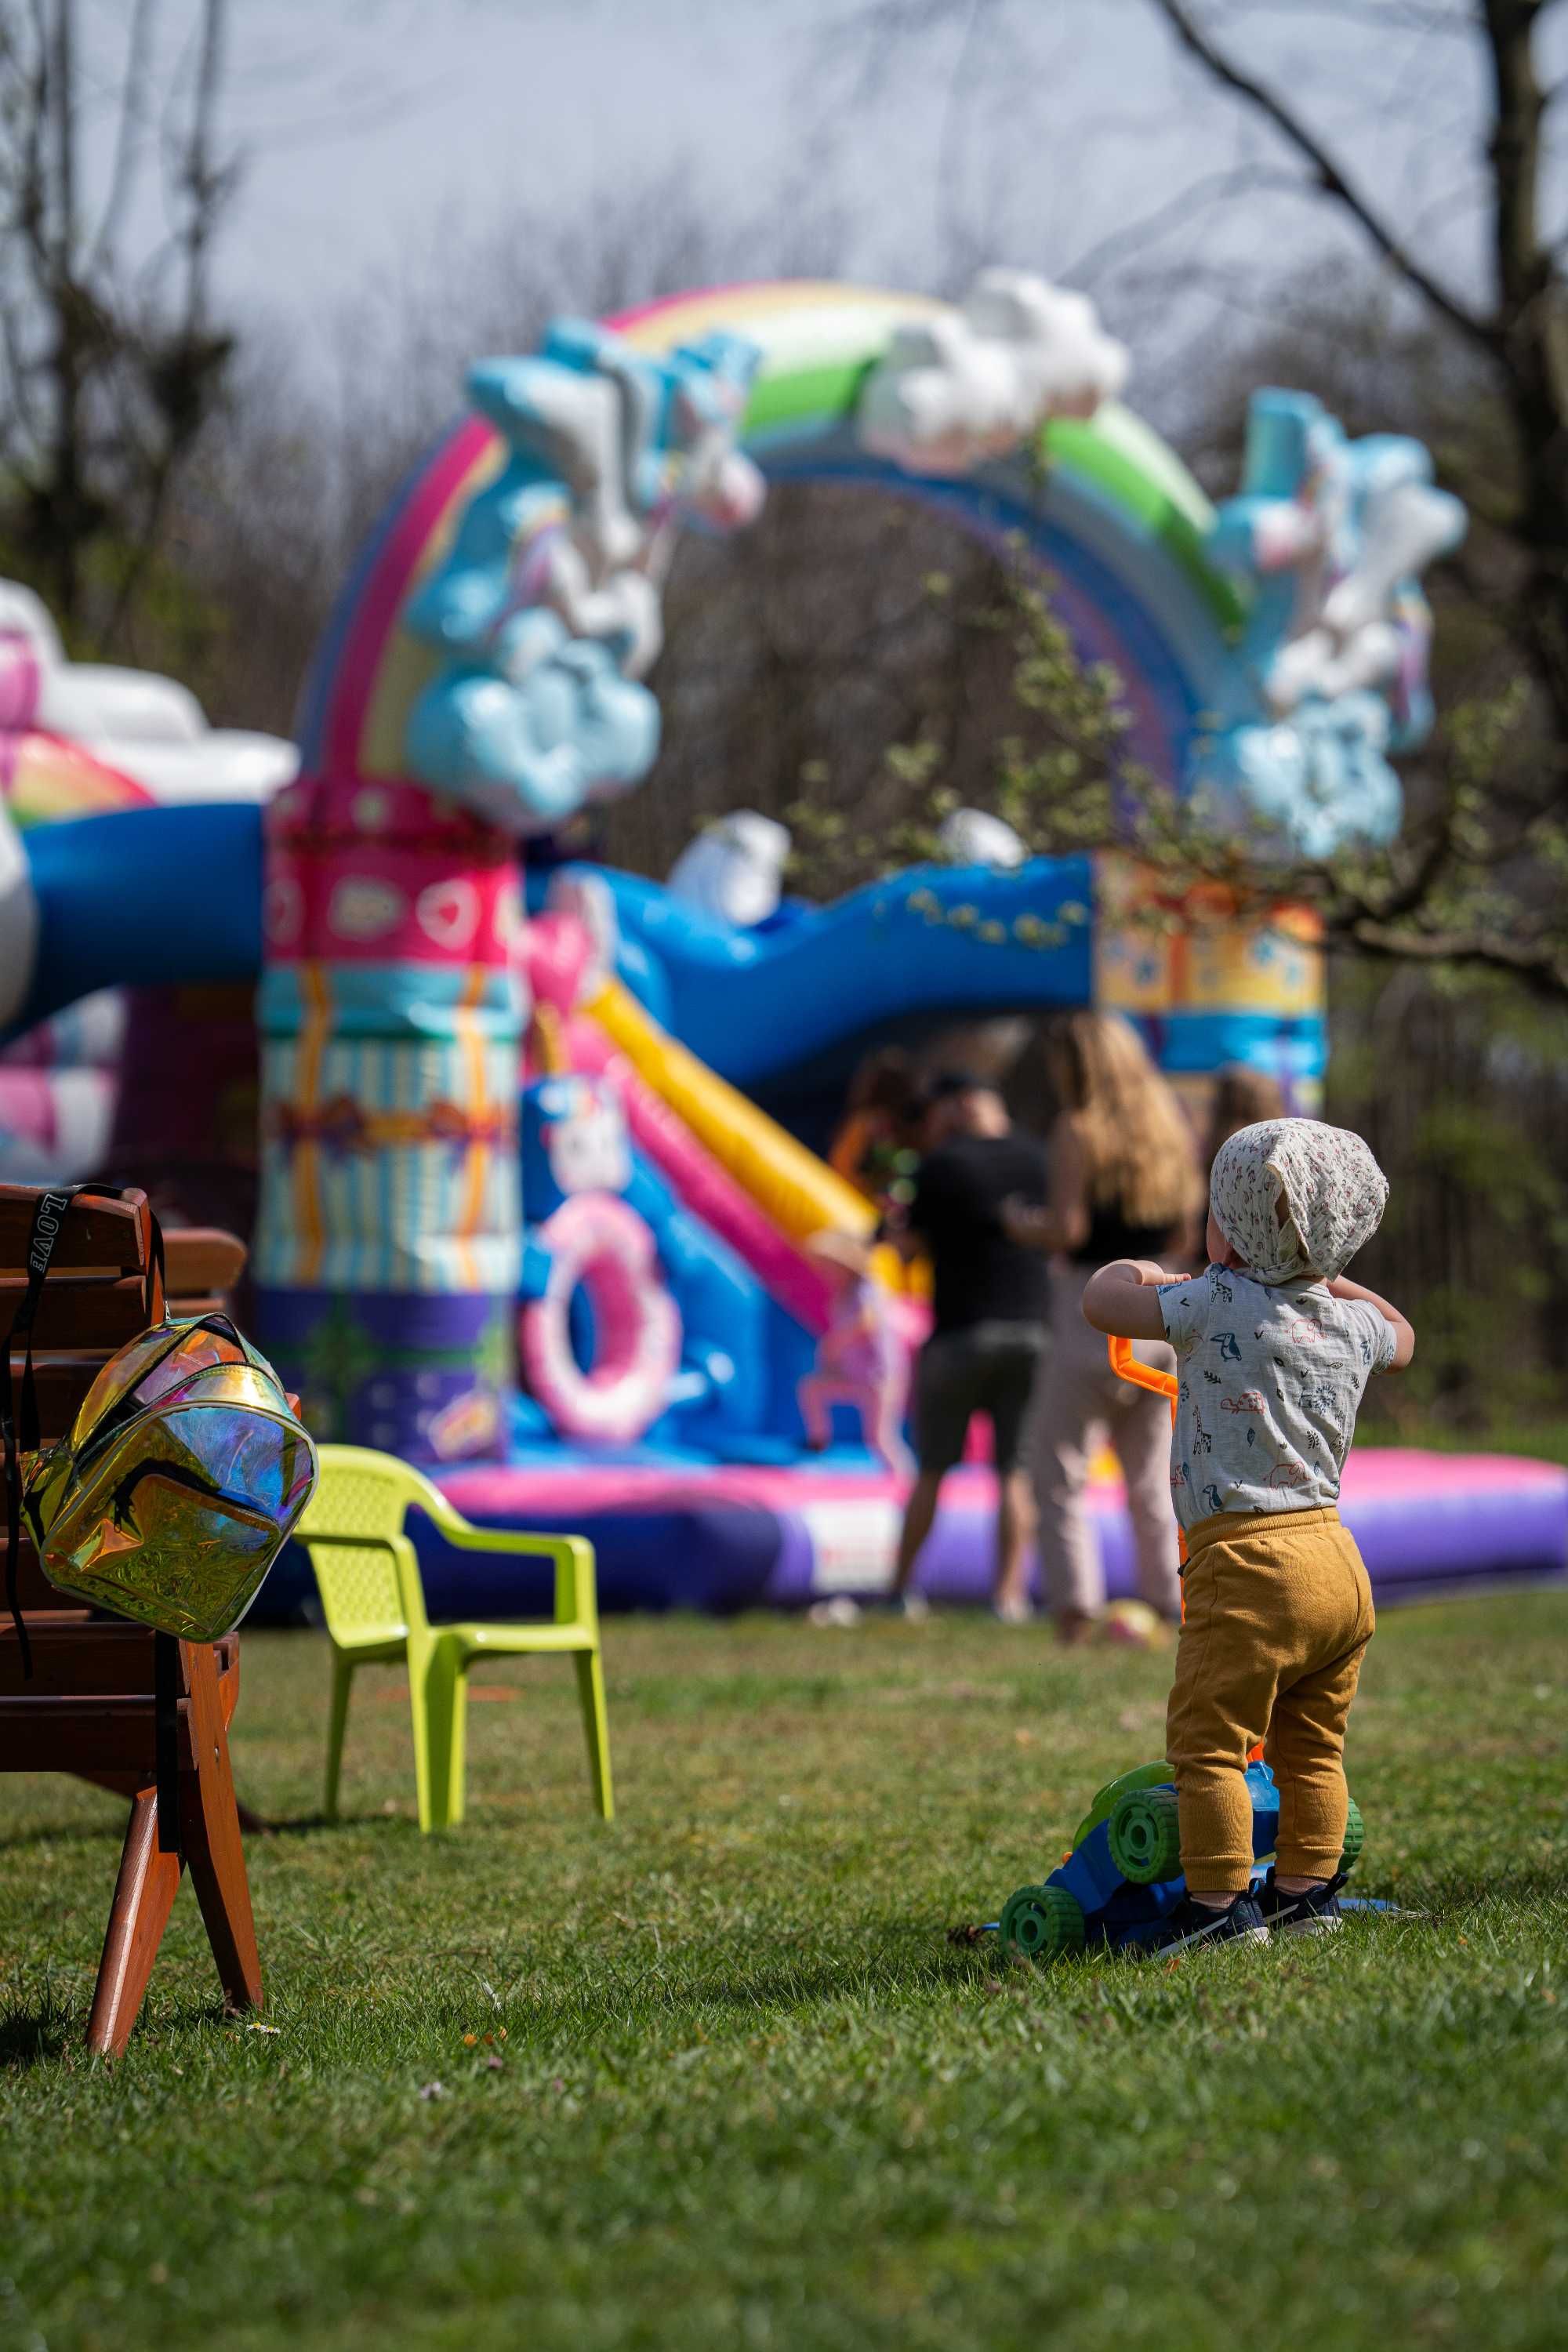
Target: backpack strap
49,1216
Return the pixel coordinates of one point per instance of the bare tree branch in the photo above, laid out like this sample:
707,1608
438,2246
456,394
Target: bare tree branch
1540,965
202,181
108,380
1245,179
1402,16
1330,177
130,130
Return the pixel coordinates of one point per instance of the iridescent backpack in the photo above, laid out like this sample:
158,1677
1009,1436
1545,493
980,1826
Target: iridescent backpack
181,1477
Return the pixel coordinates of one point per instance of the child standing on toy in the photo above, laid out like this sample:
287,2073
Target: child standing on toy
859,1359
1274,1350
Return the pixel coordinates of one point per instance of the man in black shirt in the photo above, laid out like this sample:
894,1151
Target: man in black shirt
989,1316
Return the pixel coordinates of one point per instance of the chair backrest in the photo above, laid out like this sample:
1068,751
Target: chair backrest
361,1588
366,1565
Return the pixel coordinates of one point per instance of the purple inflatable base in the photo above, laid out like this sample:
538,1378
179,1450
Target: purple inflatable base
1413,1545
674,1533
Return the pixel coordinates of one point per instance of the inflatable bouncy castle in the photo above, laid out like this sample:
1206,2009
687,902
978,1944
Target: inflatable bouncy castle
104,1081
536,1188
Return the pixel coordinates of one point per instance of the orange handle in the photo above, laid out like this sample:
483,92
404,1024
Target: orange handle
1126,1367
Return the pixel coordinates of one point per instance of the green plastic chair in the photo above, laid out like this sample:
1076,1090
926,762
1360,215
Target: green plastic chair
368,1574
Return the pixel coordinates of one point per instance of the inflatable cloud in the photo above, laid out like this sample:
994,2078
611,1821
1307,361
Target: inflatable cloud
546,725
1322,781
961,386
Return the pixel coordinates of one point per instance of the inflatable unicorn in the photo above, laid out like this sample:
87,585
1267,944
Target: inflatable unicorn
547,613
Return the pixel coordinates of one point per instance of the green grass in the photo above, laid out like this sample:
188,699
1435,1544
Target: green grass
714,2076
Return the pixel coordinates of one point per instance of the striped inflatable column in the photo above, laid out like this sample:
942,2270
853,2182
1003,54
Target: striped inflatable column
1206,989
392,1012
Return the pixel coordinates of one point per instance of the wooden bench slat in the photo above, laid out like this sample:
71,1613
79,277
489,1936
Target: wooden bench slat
34,1590
76,1311
203,1260
95,1231
101,1733
90,1657
63,1378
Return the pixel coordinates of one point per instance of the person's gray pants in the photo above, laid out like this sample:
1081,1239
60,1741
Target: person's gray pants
1078,1401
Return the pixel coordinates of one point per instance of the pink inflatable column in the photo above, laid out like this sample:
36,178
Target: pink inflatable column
392,1012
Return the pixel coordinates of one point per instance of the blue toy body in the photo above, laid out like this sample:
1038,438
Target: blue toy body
1118,1911
1091,1901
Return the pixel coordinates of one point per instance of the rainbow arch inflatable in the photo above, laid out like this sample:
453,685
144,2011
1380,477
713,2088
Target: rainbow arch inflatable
1122,523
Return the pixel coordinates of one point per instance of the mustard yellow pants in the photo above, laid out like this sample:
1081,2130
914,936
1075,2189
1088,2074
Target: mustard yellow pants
1278,1612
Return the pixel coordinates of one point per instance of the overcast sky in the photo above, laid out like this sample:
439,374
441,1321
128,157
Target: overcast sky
376,130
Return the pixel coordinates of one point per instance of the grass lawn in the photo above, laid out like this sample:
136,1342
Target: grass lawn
713,2077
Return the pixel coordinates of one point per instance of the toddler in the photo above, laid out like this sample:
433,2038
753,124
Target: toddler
1274,1350
859,1360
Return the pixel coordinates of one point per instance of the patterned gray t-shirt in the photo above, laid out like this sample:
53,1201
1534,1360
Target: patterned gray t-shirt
1270,1378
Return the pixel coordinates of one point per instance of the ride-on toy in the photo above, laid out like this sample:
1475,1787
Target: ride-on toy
1123,1872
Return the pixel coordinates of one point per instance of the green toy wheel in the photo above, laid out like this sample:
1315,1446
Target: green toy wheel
1355,1837
1145,1843
1042,1922
1102,1805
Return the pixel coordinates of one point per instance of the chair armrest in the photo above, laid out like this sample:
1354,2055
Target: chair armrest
576,1583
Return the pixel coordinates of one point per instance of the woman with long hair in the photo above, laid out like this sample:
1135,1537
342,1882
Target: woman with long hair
1124,1183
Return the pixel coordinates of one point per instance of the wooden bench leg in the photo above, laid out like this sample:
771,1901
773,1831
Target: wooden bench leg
210,1822
121,1784
143,1895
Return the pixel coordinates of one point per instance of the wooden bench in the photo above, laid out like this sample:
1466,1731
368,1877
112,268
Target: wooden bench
88,1707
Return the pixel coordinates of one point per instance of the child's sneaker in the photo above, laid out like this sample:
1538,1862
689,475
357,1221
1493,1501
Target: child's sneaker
1199,1923
1316,1913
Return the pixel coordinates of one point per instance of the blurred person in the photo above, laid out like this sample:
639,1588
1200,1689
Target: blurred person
1242,1097
859,1359
1124,1183
1275,1347
876,1145
988,1301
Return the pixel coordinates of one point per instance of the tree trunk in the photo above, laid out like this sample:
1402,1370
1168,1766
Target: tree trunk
1533,342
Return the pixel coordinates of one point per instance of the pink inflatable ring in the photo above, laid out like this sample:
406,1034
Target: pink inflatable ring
596,1240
